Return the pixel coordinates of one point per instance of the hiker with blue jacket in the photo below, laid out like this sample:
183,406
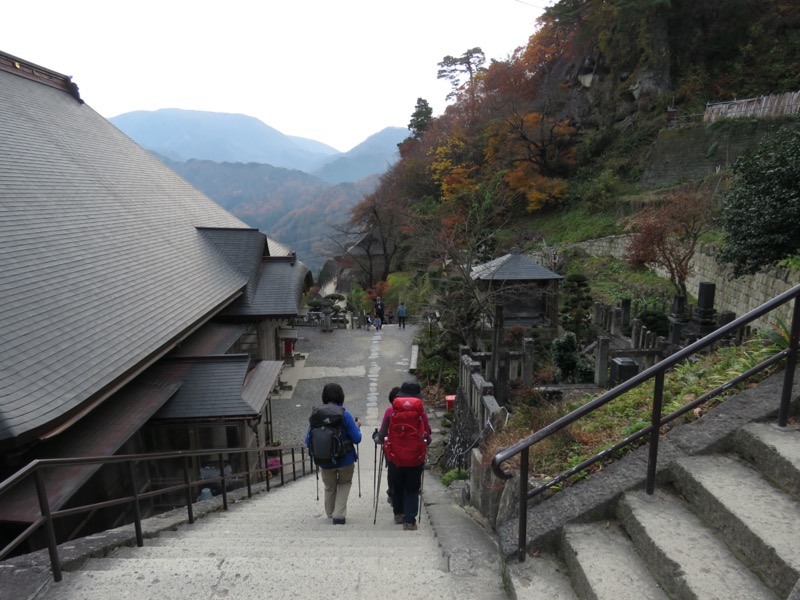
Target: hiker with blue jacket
341,432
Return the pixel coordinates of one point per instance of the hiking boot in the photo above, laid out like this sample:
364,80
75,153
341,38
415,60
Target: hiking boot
409,526
338,521
398,519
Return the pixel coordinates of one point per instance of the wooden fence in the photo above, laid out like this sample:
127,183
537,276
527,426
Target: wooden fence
762,106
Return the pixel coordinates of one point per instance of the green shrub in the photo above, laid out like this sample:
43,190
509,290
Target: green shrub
656,322
453,475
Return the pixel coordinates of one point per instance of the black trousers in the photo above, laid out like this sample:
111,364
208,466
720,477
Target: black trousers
405,483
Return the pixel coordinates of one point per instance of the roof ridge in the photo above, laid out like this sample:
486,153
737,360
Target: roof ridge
29,70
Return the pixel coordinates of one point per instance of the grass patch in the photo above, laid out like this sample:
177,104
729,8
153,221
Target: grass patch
625,415
611,280
576,224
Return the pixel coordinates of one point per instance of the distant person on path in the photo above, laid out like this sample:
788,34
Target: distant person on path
378,323
405,435
338,477
402,313
379,309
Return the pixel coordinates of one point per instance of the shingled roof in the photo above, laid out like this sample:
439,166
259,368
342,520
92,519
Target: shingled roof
214,387
513,267
108,257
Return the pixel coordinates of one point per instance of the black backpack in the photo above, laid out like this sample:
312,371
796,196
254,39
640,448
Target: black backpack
327,442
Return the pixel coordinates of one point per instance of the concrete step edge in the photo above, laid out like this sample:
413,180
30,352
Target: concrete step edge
295,562
541,576
603,563
775,452
748,512
686,558
269,553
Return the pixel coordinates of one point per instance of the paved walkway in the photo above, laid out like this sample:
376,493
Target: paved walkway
280,544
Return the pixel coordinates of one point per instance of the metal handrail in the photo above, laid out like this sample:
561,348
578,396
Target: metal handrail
35,469
656,372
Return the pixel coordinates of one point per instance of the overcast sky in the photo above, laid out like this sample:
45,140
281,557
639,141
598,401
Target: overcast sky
335,72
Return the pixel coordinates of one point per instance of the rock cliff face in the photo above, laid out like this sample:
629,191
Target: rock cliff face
597,82
618,61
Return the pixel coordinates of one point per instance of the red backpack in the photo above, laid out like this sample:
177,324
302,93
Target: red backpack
405,440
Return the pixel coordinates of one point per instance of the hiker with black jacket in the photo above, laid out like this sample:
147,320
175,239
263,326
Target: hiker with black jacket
405,434
337,463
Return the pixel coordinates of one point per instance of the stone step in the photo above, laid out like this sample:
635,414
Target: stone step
409,543
750,514
331,559
774,451
539,577
604,565
230,580
687,558
276,552
274,523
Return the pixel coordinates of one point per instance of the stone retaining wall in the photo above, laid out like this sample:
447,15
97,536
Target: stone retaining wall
739,296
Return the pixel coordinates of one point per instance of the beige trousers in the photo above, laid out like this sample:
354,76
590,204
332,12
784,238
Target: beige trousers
337,484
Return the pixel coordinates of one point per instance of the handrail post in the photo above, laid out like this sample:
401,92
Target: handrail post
247,474
655,420
137,513
791,365
269,473
224,485
522,540
280,455
44,506
294,467
188,489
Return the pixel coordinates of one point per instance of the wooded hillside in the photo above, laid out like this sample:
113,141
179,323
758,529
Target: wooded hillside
570,118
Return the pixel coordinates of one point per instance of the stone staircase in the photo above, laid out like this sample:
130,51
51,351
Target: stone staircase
281,545
721,525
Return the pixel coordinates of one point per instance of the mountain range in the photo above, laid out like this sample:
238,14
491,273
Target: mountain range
291,188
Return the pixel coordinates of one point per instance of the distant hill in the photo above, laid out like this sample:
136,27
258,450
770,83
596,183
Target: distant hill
221,137
290,206
182,135
374,155
290,188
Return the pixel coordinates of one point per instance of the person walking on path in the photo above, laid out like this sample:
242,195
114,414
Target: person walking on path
402,313
379,309
409,433
338,478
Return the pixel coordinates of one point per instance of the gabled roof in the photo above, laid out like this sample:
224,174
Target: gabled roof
105,260
211,338
212,387
367,243
259,383
281,283
102,433
277,249
242,248
513,267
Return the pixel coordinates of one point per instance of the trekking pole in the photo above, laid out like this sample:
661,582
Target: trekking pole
421,482
317,470
374,463
358,467
380,472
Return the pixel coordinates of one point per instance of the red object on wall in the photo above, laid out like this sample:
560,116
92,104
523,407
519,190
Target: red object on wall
450,403
288,347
